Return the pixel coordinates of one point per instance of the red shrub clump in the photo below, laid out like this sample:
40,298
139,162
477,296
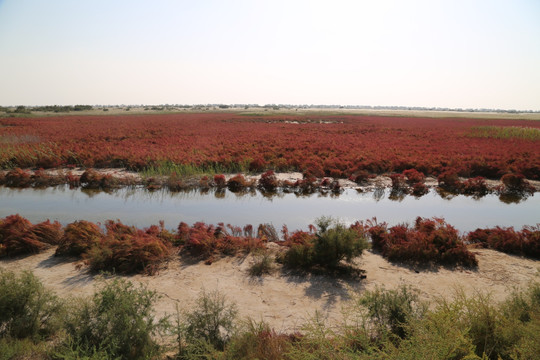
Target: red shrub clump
47,232
92,179
269,181
219,180
419,189
414,176
206,241
429,241
475,186
359,176
126,249
525,242
17,238
18,178
398,181
449,180
237,183
516,183
78,238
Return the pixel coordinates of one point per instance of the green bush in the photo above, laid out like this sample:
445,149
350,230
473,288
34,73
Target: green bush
328,247
391,311
118,321
263,265
436,336
14,349
211,322
27,309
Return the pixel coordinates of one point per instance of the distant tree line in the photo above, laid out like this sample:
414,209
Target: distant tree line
171,107
21,109
58,108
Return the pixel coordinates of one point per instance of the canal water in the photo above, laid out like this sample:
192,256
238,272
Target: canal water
137,206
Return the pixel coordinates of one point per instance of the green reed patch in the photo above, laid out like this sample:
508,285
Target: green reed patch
506,132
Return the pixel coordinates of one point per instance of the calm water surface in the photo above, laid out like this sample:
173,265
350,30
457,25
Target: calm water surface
136,206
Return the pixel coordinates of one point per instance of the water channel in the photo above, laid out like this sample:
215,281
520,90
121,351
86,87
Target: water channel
137,206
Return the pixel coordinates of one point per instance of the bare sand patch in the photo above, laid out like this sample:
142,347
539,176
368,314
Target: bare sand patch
284,299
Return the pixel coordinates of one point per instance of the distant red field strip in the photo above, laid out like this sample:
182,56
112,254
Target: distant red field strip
337,146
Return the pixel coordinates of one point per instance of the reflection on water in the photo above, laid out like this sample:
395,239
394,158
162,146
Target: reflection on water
136,206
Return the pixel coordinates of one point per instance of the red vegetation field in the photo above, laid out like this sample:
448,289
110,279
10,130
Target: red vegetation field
342,146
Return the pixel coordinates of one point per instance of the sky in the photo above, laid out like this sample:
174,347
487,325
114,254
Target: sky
454,53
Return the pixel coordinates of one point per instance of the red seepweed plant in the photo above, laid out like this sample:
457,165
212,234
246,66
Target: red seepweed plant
525,242
428,241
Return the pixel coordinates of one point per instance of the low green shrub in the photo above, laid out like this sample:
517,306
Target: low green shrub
14,349
27,309
263,264
212,321
118,322
327,248
392,311
436,335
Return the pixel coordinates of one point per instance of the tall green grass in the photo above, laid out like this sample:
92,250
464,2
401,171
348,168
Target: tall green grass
168,168
506,132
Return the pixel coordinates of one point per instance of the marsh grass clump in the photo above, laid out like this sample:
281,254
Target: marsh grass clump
257,340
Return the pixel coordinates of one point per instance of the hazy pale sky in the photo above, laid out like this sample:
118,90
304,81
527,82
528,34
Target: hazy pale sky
455,53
